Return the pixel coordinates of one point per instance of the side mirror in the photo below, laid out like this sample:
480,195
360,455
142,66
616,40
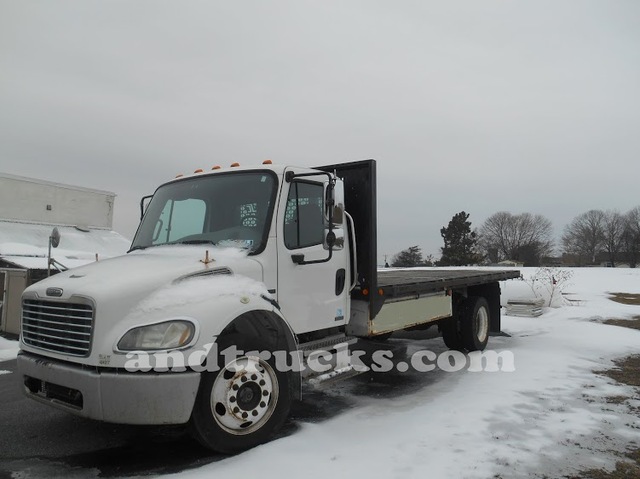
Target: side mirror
334,216
334,239
55,238
337,217
334,204
54,242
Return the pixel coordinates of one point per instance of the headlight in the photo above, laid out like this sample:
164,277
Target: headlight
169,335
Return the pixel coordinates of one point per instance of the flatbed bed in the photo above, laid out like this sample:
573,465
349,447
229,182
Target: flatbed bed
397,283
409,298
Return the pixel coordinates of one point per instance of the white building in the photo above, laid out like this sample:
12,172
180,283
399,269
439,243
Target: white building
29,209
28,199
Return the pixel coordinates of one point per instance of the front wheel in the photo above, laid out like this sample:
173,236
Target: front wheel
244,403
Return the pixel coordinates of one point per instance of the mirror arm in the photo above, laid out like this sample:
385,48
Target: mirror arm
142,200
299,258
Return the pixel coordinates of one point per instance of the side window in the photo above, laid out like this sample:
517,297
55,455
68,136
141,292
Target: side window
180,219
303,218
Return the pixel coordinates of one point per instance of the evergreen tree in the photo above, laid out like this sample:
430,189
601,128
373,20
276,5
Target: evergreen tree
460,243
407,258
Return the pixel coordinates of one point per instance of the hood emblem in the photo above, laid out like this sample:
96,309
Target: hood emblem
206,259
56,292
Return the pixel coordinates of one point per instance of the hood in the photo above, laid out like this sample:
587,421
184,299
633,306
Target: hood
141,287
131,277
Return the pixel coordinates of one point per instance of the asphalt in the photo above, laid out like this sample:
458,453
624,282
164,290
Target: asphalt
41,441
38,441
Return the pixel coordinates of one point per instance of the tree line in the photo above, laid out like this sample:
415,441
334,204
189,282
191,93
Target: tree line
591,238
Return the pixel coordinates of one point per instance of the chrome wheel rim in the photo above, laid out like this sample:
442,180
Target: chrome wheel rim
482,322
244,395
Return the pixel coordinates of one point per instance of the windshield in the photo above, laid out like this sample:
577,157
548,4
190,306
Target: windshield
231,209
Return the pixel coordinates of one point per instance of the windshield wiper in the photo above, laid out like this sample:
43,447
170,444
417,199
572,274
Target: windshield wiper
195,241
143,247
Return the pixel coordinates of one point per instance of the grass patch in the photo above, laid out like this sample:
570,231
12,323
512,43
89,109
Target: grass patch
623,470
625,298
627,371
626,323
616,399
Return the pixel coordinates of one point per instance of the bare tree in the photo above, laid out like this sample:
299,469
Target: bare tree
585,235
524,237
614,227
631,236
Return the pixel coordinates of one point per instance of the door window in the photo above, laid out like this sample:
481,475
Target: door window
303,218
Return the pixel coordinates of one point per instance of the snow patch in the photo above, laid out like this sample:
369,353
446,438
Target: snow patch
8,349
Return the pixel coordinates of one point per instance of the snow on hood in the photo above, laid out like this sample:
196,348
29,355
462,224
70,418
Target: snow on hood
199,289
139,273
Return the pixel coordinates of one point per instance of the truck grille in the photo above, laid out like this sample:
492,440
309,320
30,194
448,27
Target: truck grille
57,326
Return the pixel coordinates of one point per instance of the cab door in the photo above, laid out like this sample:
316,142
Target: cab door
312,296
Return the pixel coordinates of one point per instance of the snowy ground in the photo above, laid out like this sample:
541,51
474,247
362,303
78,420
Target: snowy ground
548,418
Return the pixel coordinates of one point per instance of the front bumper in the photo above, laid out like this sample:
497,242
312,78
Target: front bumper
111,396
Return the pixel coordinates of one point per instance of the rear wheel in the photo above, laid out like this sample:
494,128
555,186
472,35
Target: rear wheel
474,323
243,403
450,334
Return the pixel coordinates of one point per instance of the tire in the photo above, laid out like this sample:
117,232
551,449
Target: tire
245,402
475,319
450,334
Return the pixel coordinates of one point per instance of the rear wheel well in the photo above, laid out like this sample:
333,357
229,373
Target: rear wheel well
455,335
490,292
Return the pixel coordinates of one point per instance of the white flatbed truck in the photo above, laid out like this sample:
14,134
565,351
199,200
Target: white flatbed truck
269,258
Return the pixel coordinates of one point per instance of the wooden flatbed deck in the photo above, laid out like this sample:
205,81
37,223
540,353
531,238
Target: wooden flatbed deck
409,282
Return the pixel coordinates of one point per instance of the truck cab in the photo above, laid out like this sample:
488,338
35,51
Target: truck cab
280,217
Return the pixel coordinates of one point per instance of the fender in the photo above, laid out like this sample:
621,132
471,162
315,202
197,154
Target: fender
271,325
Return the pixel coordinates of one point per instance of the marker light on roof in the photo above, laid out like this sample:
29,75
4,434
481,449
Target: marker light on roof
233,165
267,162
199,170
179,175
216,167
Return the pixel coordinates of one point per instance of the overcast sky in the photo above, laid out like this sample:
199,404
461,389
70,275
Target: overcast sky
474,105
